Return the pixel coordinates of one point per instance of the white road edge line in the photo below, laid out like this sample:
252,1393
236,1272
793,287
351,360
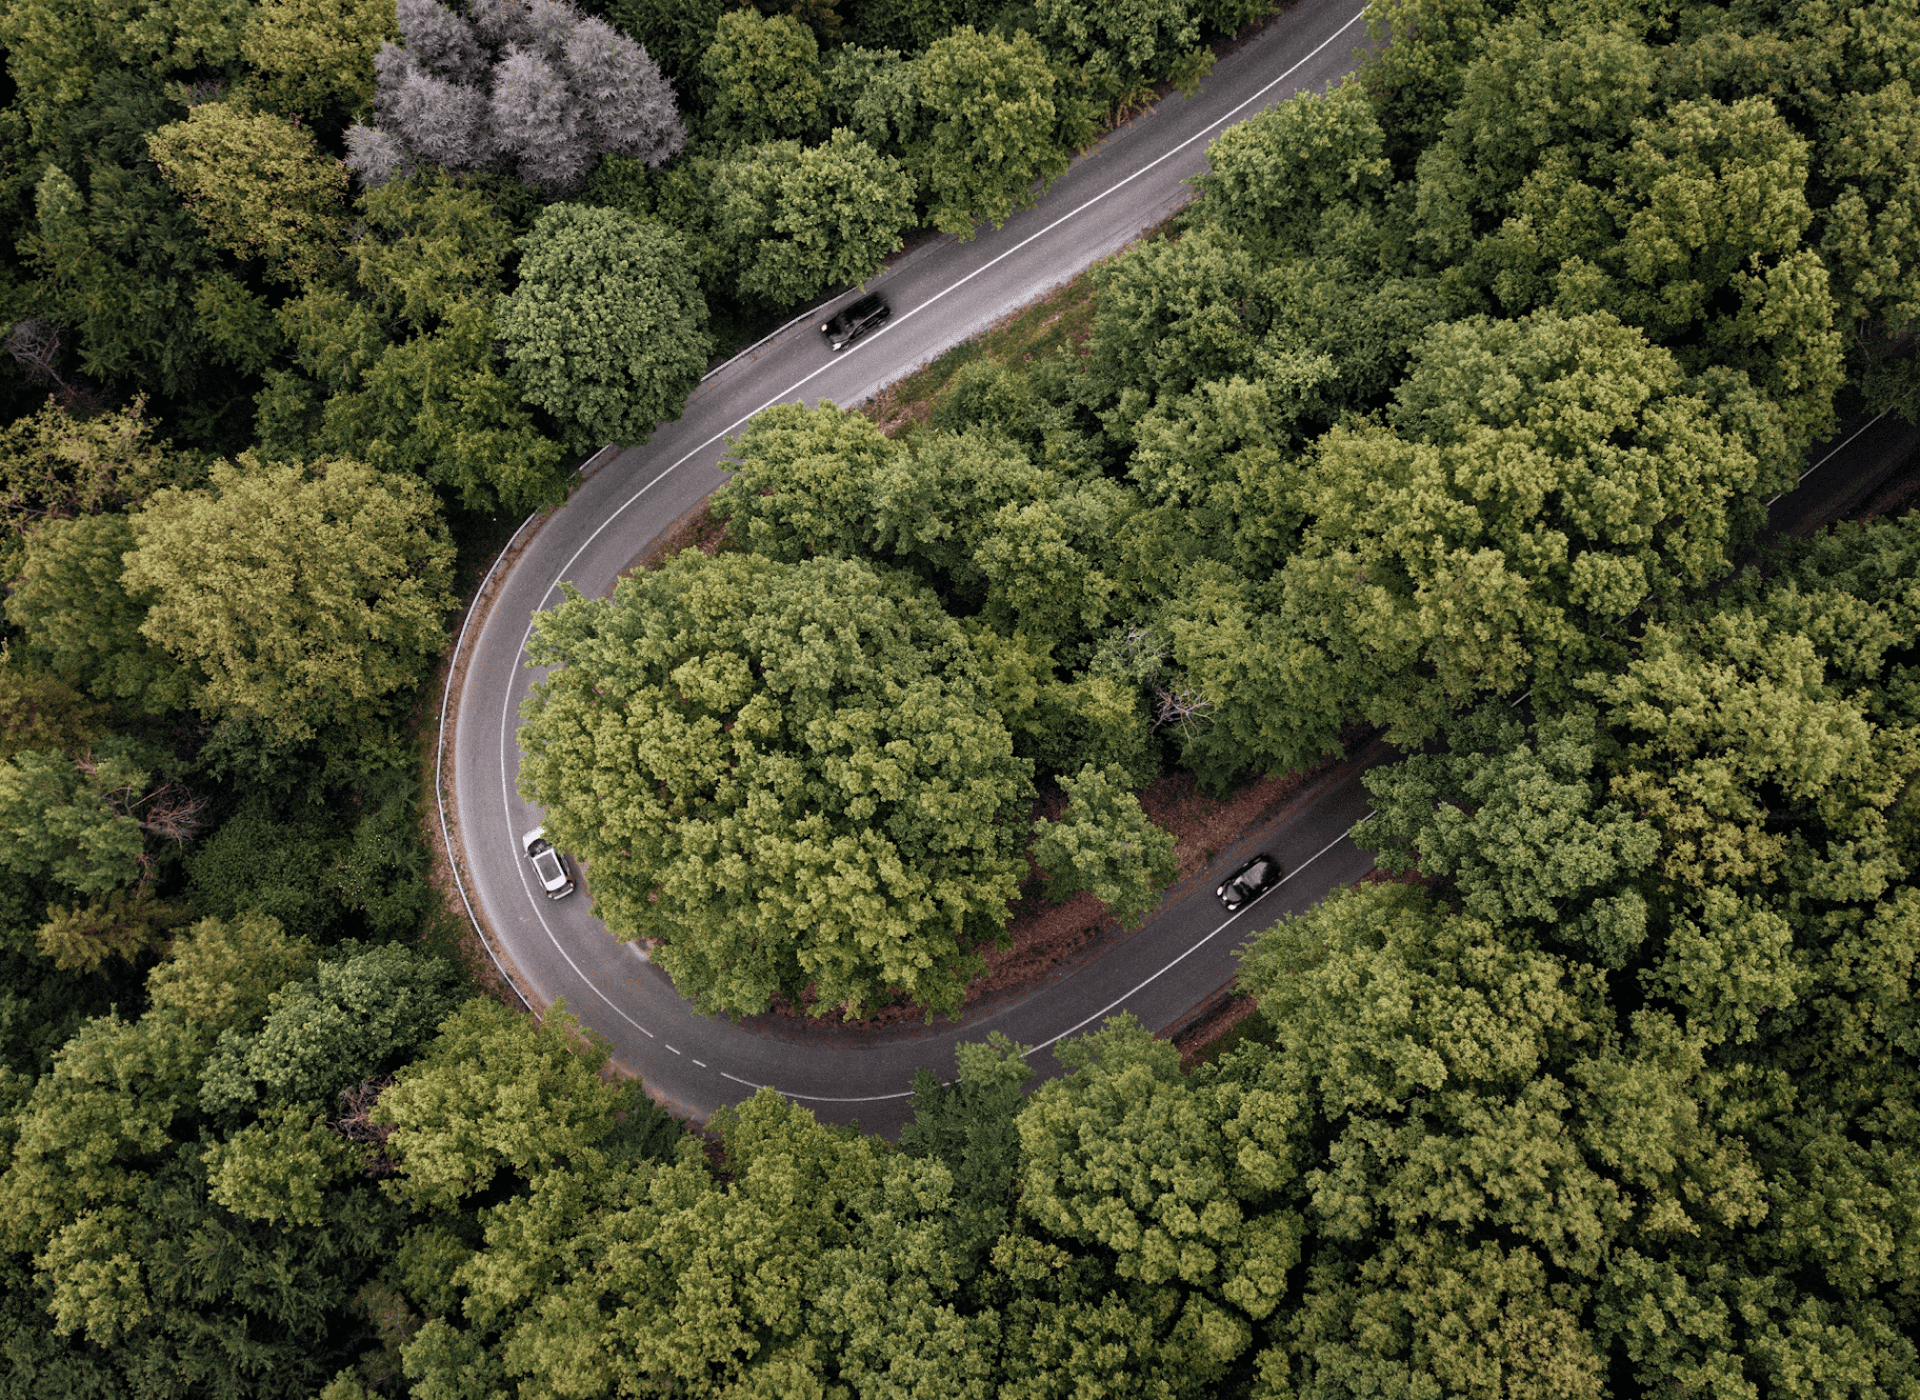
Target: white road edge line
1231,921
906,316
1850,437
506,803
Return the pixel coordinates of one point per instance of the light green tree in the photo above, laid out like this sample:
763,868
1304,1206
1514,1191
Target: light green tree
796,220
54,466
258,185
1275,176
823,1263
313,59
1105,845
278,1168
120,924
77,619
992,133
300,595
1167,317
607,329
803,482
785,772
763,75
495,1090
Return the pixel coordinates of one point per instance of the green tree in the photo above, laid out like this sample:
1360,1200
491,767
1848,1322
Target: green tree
822,1261
358,1017
120,925
1275,176
313,59
1521,830
495,1090
74,821
803,482
607,329
989,102
77,619
41,711
1105,845
786,773
1122,39
675,33
299,595
799,219
133,1251
258,185
1167,317
763,78
410,363
54,466
57,52
1490,543
122,263
970,1126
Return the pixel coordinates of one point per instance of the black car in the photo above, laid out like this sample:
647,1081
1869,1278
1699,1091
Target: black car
855,319
1249,882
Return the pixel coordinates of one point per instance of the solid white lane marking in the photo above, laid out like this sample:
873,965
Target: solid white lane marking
1850,437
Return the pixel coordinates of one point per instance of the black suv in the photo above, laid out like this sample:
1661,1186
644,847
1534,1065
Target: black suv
855,319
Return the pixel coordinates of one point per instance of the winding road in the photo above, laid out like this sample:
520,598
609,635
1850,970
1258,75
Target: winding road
941,294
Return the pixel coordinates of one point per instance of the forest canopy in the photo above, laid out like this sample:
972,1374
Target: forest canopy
1450,410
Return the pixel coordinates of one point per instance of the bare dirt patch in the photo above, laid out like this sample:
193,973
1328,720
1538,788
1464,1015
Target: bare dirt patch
1210,1025
1048,939
697,529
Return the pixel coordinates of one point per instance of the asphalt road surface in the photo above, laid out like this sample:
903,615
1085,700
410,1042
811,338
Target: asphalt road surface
941,294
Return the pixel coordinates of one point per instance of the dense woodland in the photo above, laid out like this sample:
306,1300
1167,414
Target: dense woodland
1451,408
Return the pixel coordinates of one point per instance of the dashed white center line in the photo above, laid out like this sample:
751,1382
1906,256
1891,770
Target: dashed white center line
670,1047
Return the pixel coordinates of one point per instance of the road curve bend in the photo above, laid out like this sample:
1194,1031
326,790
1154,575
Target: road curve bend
941,294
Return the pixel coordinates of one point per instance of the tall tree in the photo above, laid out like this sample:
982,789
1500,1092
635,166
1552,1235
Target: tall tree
1104,844
989,102
607,329
258,185
762,77
299,595
784,772
790,221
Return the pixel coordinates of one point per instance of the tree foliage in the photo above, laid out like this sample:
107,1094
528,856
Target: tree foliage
1105,845
256,184
298,595
538,89
783,772
607,329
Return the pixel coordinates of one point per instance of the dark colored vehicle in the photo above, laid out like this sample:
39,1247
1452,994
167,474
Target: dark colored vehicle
855,319
1249,882
548,864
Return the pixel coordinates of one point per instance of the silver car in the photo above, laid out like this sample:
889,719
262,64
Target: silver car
548,864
